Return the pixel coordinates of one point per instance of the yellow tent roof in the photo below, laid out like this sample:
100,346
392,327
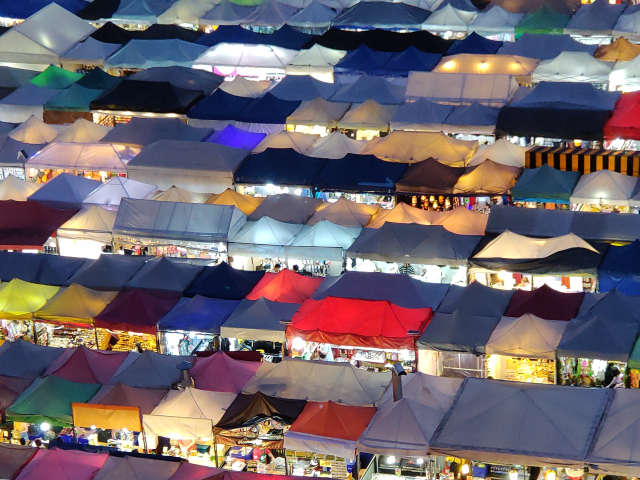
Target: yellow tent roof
75,305
404,213
245,203
19,299
622,50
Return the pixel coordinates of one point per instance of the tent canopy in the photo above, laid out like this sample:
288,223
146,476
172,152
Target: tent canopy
75,305
29,224
82,157
545,184
488,177
325,381
144,131
544,47
223,281
265,237
358,173
597,18
151,370
13,458
142,54
474,63
89,52
420,115
618,269
621,124
297,87
64,190
365,88
111,193
492,20
545,302
181,77
544,20
429,176
109,272
621,50
161,273
259,320
26,360
249,406
245,203
572,67
604,187
285,37
344,212
83,131
284,286
318,112
278,166
14,188
221,373
527,336
337,321
198,314
236,137
19,299
83,365
133,468
286,207
384,15
145,399
322,241
58,463
33,130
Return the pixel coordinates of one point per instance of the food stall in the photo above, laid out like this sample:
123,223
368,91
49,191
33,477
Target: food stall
116,426
87,234
331,329
603,191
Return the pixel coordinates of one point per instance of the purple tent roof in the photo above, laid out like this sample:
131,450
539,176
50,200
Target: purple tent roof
236,137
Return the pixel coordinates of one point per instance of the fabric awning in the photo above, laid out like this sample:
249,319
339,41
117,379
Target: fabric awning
108,417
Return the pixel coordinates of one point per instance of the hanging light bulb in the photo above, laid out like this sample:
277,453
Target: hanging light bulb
513,474
550,475
465,469
391,459
45,426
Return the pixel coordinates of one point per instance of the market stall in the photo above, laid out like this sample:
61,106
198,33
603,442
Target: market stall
108,272
604,191
223,281
284,286
222,373
331,329
87,234
145,399
151,370
114,426
538,187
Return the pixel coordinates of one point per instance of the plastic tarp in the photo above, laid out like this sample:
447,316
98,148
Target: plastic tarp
83,131
502,151
142,54
65,190
369,115
487,89
322,241
336,321
133,468
82,157
236,137
371,88
278,166
344,212
93,223
106,417
546,303
545,184
108,273
74,99
597,18
84,365
49,399
151,370
198,314
572,67
544,47
161,273
400,290
245,203
285,286
494,20
223,281
181,77
136,310
336,145
390,16
527,336
488,177
144,399
429,176
188,414
90,52
259,320
19,299
325,381
542,416
606,329
26,360
604,187
221,373
14,188
144,131
25,102
58,464
465,319
75,305
247,407
109,194
13,458
410,147
405,427
177,221
329,428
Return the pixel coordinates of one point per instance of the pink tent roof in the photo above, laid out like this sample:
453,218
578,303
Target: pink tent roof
190,471
62,465
87,366
221,373
134,468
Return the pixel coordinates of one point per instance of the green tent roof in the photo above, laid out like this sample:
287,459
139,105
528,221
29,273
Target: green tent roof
634,358
98,79
543,20
49,400
75,98
55,77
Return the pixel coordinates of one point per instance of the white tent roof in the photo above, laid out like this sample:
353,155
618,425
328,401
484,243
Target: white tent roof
185,11
323,241
488,177
318,112
406,426
43,37
336,145
110,193
90,52
344,212
317,61
572,67
403,213
14,188
626,75
511,245
369,115
25,102
487,89
463,221
83,156
83,131
300,142
244,55
177,194
35,131
411,147
496,20
242,87
503,151
486,64
188,414
449,18
526,336
315,15
323,381
604,186
265,237
93,223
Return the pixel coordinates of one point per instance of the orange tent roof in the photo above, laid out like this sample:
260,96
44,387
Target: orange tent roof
285,286
329,419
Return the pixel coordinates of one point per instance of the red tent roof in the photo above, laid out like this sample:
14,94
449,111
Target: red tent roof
29,224
333,420
221,373
361,323
87,366
285,286
136,310
62,465
624,121
545,302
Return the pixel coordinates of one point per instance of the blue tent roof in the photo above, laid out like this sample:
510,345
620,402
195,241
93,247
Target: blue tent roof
597,17
410,60
568,95
261,314
91,49
359,173
65,190
387,15
236,137
422,114
75,98
198,314
57,270
145,131
219,106
226,13
607,330
267,109
475,43
314,15
155,53
160,273
545,184
141,11
181,77
474,114
38,268
109,272
285,37
363,60
279,166
25,8
544,47
26,360
620,269
375,88
224,281
400,290
303,87
465,319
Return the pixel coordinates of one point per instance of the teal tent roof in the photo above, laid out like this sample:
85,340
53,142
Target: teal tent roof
74,98
55,77
543,20
545,184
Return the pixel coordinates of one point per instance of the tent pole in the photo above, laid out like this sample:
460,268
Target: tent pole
95,333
